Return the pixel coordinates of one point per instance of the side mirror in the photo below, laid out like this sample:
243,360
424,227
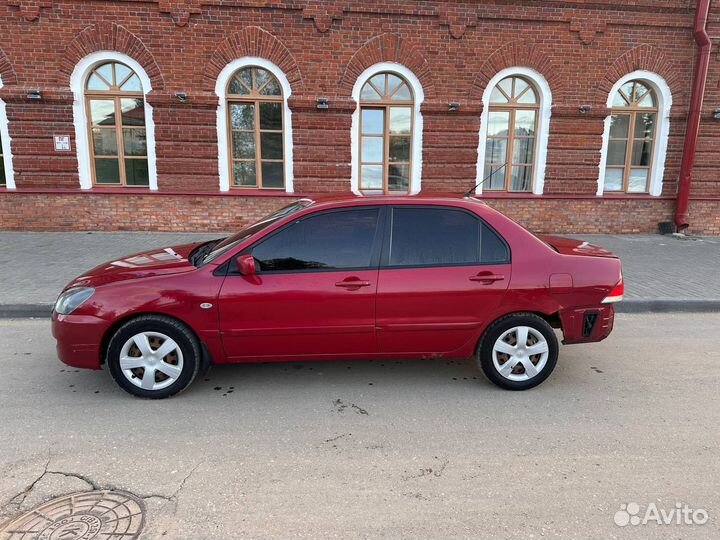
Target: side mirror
246,264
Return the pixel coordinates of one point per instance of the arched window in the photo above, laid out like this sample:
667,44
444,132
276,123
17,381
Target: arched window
255,106
632,138
386,128
115,108
511,135
7,179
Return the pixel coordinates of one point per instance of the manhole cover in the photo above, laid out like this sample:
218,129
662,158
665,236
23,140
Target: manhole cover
88,515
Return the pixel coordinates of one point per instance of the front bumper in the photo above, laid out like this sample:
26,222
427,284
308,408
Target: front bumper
575,324
78,339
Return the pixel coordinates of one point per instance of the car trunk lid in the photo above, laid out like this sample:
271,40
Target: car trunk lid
571,246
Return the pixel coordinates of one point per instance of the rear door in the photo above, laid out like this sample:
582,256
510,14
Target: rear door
314,291
442,271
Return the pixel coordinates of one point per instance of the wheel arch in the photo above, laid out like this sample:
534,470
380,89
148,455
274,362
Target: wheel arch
553,319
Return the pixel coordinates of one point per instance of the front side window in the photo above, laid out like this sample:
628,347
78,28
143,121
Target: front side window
511,135
386,118
116,117
255,117
632,137
335,240
440,236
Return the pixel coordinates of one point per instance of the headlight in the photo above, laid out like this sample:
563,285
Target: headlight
71,299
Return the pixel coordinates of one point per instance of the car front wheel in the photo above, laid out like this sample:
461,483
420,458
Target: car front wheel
518,351
153,356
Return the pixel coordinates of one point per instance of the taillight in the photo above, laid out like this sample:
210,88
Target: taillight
616,294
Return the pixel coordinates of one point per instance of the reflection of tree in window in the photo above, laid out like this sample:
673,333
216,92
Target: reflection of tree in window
511,135
116,114
386,119
631,140
255,109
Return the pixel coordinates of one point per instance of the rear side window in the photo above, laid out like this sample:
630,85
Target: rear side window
442,236
342,239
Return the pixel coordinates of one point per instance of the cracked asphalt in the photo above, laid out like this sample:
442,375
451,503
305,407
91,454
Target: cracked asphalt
382,449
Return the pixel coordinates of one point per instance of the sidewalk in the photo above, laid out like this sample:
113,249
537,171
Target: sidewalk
662,273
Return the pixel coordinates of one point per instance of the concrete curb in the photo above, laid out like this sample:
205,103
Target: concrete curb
42,311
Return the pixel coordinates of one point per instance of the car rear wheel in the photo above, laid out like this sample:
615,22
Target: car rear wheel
153,356
518,351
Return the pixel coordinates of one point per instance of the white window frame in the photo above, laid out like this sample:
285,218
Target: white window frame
82,143
6,149
543,127
662,130
223,134
417,132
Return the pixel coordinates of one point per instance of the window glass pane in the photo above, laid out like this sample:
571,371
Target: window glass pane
422,236
261,77
494,177
640,90
135,142
521,178
506,86
272,88
237,87
107,171
121,73
398,177
271,116
400,120
136,172
613,179
496,150
642,152
378,81
403,94
106,72
373,121
529,97
616,152
368,93
372,150
272,174
520,86
243,144
245,77
244,173
329,241
371,177
393,82
498,123
102,112
96,83
271,146
496,96
133,112
523,151
644,125
104,142
3,181
627,89
648,100
638,180
242,116
399,149
492,248
132,85
619,100
619,126
524,122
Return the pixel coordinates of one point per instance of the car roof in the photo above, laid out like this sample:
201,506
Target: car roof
341,199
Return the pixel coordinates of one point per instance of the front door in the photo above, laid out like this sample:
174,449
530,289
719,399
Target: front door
443,271
313,294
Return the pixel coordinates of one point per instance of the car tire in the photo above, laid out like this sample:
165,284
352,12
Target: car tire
510,364
136,359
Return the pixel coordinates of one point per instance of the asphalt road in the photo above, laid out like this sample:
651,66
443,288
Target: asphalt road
384,449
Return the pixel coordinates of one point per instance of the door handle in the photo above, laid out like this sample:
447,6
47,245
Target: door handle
486,278
354,284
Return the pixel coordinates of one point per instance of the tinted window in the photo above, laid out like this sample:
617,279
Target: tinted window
334,240
436,236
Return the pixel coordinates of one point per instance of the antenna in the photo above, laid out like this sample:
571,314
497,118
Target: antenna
492,172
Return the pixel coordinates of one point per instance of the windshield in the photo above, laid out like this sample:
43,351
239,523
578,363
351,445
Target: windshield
234,240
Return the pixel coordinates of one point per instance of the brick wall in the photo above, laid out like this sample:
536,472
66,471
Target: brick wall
454,48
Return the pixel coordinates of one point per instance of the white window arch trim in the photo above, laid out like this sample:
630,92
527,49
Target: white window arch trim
542,129
222,118
6,150
662,130
82,143
418,98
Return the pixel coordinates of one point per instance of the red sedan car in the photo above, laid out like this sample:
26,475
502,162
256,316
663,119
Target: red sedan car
343,278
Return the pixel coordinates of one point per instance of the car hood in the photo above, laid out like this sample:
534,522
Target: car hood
570,246
154,262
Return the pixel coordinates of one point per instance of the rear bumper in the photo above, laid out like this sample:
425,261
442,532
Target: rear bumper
78,339
588,324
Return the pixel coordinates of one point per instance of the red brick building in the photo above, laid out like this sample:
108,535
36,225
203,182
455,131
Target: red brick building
205,114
